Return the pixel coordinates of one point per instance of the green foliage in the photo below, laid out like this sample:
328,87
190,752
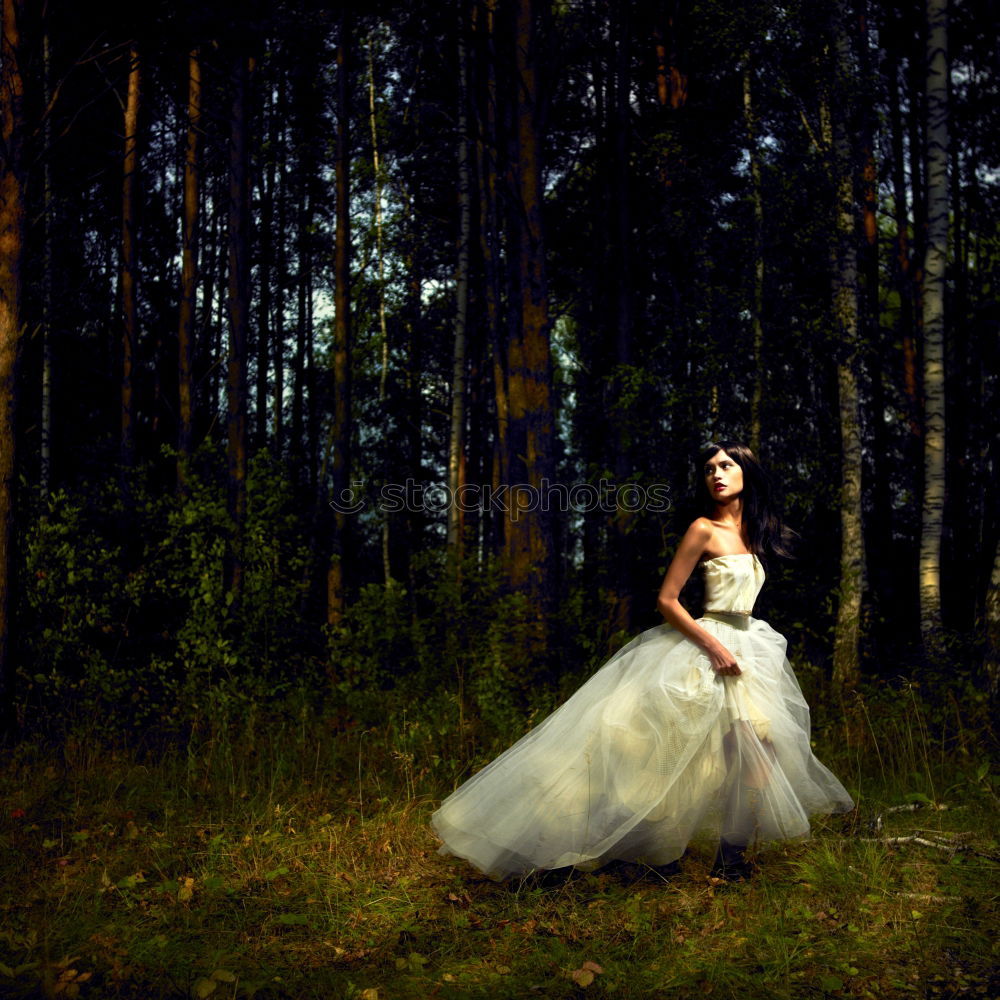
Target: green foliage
126,619
76,604
465,648
228,657
126,616
461,637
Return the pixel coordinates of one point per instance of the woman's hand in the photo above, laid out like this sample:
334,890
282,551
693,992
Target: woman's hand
723,662
693,546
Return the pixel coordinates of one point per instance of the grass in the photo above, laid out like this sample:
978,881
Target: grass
299,863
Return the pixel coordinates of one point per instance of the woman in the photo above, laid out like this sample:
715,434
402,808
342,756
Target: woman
695,726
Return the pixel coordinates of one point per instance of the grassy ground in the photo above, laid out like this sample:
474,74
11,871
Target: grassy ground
300,864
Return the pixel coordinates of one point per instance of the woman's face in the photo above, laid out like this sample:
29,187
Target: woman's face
723,478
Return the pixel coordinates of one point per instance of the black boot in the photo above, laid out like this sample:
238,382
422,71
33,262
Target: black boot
731,863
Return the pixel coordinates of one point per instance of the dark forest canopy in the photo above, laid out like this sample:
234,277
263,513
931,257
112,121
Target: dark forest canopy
262,257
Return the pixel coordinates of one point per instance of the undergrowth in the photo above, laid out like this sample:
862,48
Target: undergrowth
292,858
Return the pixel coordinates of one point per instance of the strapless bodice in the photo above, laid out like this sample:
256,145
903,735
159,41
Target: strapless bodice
732,583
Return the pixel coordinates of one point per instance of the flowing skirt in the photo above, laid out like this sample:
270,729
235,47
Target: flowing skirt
653,750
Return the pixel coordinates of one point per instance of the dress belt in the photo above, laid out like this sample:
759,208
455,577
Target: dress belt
736,619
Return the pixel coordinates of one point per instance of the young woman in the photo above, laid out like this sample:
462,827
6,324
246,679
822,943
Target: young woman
694,727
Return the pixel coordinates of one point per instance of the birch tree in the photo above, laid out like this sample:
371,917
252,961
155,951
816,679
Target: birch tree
935,259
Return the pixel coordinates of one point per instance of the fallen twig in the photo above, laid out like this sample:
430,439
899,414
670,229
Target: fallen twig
878,820
912,839
942,843
960,836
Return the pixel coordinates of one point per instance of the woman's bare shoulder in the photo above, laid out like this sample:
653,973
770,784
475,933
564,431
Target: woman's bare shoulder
697,537
701,528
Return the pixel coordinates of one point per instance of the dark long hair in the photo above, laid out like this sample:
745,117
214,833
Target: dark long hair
766,532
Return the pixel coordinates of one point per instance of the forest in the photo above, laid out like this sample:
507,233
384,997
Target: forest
355,362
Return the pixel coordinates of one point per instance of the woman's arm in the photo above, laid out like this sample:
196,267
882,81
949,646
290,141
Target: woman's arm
690,550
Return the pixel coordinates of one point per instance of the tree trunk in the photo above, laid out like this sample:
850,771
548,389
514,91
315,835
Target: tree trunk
846,666
935,260
757,200
303,290
189,271
12,249
487,148
878,542
410,519
380,257
529,556
902,268
341,429
129,262
239,308
619,266
48,226
279,187
304,97
266,268
456,445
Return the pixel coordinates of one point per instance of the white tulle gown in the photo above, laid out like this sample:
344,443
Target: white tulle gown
653,750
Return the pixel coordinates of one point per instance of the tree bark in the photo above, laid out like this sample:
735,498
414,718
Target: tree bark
278,186
341,430
266,268
280,189
529,554
846,663
902,269
129,261
757,200
619,266
305,100
487,149
48,227
935,260
380,258
456,445
239,308
189,271
12,250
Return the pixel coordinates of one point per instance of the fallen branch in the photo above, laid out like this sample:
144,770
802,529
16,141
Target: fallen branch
913,839
910,807
942,843
961,837
877,821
